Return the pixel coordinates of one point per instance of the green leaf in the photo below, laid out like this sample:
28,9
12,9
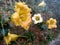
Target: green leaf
1,2
0,27
0,17
3,21
50,36
4,26
42,26
22,43
30,36
5,9
5,30
12,11
1,38
12,43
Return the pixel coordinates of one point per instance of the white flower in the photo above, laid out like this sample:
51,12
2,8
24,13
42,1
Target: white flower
37,18
42,4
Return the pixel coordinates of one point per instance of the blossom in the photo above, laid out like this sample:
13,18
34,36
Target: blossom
10,37
22,16
42,4
22,8
26,24
37,18
15,19
51,23
19,21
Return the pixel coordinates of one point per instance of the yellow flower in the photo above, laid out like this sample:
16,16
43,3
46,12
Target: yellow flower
42,4
51,23
22,8
15,19
22,16
26,24
10,37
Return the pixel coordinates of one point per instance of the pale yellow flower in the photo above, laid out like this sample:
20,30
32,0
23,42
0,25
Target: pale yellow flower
42,4
51,23
10,37
22,16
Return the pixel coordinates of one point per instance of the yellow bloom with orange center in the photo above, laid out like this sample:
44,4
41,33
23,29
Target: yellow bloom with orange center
22,16
10,37
51,23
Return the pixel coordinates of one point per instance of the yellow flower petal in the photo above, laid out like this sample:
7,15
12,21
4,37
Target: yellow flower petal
15,19
10,37
26,24
24,9
7,39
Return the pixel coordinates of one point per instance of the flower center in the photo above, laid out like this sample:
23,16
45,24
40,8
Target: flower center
51,22
37,18
23,17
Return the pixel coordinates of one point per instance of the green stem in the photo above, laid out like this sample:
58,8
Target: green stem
22,36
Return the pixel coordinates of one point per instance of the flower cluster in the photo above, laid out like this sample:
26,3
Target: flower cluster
23,17
51,23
